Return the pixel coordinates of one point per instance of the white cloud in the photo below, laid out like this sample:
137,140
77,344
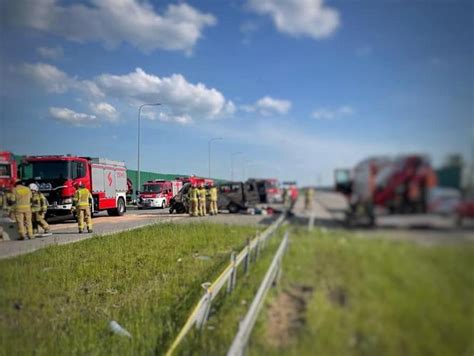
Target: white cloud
268,106
49,77
179,119
54,80
182,101
297,18
174,92
52,53
113,22
332,114
73,118
105,110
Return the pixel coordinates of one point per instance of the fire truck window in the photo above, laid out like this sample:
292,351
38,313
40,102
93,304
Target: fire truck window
78,170
4,170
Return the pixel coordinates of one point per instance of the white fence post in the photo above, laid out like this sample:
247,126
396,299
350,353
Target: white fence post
233,276
247,257
202,319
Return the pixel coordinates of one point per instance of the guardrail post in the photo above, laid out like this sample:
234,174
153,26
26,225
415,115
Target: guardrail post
205,313
233,276
257,248
247,258
311,222
240,342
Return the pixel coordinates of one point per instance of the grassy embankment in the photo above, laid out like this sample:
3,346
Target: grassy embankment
341,295
59,300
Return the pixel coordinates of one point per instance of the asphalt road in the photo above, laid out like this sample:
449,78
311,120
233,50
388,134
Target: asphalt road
426,229
327,212
65,230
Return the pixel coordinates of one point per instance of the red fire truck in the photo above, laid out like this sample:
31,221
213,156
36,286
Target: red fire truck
8,170
158,193
56,177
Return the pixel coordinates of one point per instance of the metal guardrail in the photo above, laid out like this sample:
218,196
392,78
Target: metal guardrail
311,221
200,313
245,328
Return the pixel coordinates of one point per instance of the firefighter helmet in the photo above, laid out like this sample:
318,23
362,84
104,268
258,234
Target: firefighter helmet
33,187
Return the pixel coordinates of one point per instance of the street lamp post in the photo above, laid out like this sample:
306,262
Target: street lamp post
209,151
138,144
232,164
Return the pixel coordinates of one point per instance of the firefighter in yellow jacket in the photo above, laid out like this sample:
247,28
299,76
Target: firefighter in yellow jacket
193,200
213,199
202,192
39,206
81,200
10,203
308,198
22,210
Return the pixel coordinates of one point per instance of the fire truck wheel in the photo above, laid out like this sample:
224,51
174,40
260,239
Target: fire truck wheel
119,210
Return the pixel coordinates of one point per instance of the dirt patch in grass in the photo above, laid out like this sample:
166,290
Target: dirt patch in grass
338,296
286,315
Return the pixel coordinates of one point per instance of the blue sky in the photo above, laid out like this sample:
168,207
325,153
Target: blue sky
299,87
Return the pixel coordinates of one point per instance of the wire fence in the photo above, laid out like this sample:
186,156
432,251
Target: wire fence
228,278
240,341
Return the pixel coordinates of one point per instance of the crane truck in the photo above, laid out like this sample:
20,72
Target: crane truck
396,186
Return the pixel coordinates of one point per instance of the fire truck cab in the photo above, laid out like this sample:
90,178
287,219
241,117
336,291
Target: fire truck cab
56,177
158,193
8,171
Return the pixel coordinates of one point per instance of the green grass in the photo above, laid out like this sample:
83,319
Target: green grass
222,325
369,297
399,298
59,300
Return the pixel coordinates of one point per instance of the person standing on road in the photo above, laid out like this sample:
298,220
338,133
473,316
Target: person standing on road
22,210
39,206
193,200
308,198
81,200
10,204
213,199
285,197
202,200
